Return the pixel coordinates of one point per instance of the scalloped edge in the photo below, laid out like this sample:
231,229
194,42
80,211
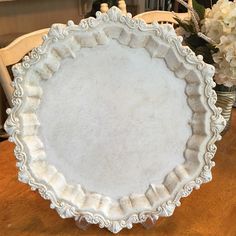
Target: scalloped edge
13,126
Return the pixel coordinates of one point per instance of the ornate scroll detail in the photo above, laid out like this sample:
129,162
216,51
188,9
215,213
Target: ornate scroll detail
59,33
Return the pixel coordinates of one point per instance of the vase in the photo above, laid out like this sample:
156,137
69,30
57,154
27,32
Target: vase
226,100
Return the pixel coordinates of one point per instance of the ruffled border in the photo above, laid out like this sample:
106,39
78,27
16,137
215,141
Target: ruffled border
74,201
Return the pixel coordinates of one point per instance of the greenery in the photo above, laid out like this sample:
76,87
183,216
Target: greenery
193,37
199,9
199,45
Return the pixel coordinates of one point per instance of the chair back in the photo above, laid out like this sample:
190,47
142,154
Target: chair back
13,53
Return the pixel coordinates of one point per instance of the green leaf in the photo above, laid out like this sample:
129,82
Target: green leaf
195,41
185,25
199,9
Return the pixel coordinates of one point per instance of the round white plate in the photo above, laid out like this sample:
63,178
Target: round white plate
114,120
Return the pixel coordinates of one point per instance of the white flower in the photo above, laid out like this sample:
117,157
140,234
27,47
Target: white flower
220,20
225,60
214,29
219,24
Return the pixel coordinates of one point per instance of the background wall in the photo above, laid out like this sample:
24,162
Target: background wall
18,17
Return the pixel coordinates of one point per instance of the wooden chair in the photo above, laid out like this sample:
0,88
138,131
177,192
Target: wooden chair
162,16
13,53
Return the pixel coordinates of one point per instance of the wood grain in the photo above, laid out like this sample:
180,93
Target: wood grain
208,211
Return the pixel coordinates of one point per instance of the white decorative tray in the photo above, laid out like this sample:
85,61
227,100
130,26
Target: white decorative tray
114,120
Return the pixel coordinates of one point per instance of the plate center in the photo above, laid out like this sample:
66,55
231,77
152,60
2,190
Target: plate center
114,119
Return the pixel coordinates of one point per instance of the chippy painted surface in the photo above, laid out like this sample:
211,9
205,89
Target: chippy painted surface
161,42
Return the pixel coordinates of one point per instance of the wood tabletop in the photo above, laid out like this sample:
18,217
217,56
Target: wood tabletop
208,211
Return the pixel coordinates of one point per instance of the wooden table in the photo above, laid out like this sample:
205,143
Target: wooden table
208,211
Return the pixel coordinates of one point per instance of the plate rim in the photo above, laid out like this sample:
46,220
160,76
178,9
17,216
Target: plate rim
65,209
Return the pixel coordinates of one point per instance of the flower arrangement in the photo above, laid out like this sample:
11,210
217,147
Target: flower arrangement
212,33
